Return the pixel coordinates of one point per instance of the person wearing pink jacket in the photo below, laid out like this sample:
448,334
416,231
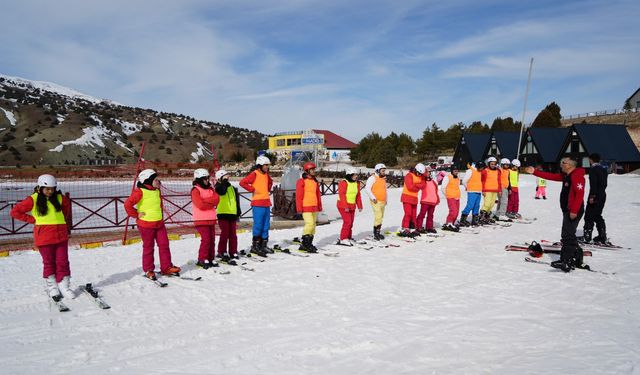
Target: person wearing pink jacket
429,199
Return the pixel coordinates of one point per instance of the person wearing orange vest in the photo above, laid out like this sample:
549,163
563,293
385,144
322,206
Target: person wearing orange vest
513,205
308,203
491,189
429,199
50,212
473,184
348,199
501,209
145,205
413,183
376,189
451,190
204,200
259,183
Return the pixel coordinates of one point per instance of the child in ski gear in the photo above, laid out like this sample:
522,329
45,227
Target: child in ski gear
473,184
429,199
145,205
376,189
541,186
572,205
451,190
440,176
308,203
204,200
348,199
501,209
259,182
413,184
228,215
513,203
491,189
50,212
595,202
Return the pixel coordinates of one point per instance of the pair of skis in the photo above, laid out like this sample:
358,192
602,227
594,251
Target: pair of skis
87,290
545,249
584,268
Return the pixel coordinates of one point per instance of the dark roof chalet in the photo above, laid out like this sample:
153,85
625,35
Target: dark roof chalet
507,143
548,142
612,142
477,144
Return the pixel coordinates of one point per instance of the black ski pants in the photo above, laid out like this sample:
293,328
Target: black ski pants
568,236
593,215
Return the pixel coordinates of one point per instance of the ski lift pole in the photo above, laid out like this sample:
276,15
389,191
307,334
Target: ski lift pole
524,111
138,163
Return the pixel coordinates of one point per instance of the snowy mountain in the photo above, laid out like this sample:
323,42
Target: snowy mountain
45,123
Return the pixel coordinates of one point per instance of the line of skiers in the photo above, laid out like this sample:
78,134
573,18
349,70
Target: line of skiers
49,210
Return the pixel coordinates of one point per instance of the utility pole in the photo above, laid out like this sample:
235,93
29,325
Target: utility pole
524,111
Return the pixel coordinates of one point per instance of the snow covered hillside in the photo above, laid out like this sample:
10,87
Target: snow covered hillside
458,305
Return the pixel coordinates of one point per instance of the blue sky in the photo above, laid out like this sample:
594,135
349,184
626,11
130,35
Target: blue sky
348,66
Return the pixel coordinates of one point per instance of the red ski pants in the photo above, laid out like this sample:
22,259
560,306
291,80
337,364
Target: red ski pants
150,236
347,222
409,214
514,202
454,209
55,260
207,249
426,210
228,236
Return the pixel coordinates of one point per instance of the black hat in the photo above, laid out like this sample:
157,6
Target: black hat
481,165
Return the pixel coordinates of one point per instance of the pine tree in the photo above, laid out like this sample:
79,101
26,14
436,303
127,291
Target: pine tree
549,117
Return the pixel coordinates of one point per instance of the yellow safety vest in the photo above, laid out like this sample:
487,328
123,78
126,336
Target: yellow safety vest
542,182
513,178
52,217
352,192
151,205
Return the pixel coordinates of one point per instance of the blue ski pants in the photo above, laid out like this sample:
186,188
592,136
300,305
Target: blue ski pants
473,203
261,221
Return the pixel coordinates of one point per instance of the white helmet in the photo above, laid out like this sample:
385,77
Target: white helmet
505,161
490,159
420,168
200,172
221,173
380,166
351,171
47,180
142,177
515,163
263,160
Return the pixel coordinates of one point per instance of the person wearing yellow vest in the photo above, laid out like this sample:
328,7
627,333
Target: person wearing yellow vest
513,205
348,199
501,209
204,200
228,216
541,186
308,203
491,189
259,183
50,212
451,189
145,205
376,189
429,199
413,183
473,184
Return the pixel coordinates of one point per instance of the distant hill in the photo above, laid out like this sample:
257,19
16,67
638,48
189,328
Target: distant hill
42,123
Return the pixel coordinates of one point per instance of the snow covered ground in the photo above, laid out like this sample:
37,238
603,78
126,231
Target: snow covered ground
459,305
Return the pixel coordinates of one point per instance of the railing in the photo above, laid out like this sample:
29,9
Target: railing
601,113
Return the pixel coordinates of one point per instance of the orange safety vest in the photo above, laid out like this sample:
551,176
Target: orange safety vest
504,177
261,184
452,190
310,189
379,189
491,182
475,182
416,180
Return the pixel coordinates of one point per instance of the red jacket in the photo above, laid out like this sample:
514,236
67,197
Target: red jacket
247,184
133,199
300,196
342,193
572,195
202,204
411,187
44,234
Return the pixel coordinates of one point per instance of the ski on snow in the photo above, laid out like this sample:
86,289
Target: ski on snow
57,301
94,296
591,245
278,249
585,268
548,250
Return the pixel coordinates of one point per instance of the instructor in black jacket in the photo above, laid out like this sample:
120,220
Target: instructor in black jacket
595,202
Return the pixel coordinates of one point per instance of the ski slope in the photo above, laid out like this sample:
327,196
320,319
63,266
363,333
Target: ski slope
459,305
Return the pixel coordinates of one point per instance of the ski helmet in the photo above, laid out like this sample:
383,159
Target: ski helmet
350,171
515,163
535,250
380,166
491,159
221,173
309,165
263,160
145,174
420,168
47,180
200,172
504,161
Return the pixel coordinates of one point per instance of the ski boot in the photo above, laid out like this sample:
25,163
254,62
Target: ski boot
171,271
562,265
256,247
264,247
376,233
463,221
474,221
203,264
306,244
52,286
586,236
65,288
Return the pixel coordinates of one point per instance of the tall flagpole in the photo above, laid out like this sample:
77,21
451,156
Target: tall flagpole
524,111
